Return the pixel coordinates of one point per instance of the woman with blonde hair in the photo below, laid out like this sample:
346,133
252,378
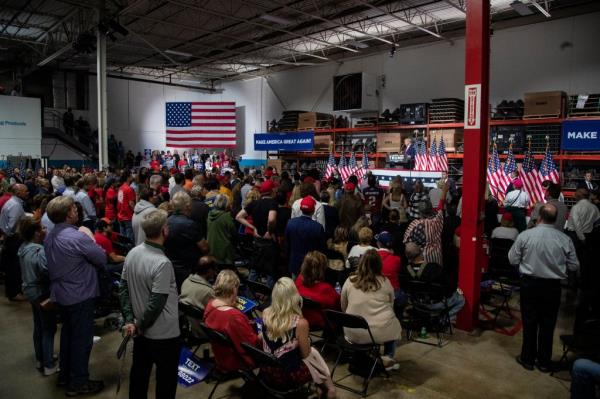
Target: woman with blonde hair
296,195
221,314
361,222
365,238
369,294
285,335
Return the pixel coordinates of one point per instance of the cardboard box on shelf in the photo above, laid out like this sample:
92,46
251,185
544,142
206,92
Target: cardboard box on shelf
389,142
452,137
307,120
544,104
322,142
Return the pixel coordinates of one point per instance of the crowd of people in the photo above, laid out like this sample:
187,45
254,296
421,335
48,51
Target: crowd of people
173,232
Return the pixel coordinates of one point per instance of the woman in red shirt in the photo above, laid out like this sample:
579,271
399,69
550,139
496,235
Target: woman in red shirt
110,201
390,263
221,314
311,285
155,164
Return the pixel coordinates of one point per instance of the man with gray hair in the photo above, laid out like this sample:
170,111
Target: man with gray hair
148,295
73,259
221,231
427,231
142,208
200,210
184,244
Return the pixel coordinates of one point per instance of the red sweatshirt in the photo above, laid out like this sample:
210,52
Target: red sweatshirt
322,293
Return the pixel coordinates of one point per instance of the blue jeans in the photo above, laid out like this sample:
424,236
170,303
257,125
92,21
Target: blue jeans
76,340
44,328
126,229
254,276
389,348
584,379
455,304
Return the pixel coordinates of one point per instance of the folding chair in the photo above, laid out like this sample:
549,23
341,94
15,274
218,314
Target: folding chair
263,360
340,320
190,317
585,343
421,295
318,332
216,337
260,292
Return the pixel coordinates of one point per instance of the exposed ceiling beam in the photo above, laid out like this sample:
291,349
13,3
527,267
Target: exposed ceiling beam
15,16
456,6
57,24
152,46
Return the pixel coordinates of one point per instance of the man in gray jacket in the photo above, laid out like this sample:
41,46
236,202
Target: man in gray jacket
142,208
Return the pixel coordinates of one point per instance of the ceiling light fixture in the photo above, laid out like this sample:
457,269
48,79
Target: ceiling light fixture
540,8
276,19
357,44
180,53
521,8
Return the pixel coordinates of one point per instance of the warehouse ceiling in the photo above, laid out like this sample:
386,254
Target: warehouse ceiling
207,41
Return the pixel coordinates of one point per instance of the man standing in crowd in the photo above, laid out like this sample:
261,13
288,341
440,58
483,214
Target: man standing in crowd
552,195
303,235
199,210
11,213
351,206
73,259
588,182
543,254
373,196
148,296
142,208
307,189
126,205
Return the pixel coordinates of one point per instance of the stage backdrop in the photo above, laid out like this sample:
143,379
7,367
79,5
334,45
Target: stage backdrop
20,126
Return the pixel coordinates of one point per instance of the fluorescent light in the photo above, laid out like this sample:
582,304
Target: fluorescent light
357,44
181,53
316,56
540,8
276,19
521,8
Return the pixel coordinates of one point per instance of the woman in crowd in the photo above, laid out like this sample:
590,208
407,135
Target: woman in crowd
36,288
362,221
338,249
365,238
221,314
396,200
416,198
506,230
221,231
369,294
285,335
310,283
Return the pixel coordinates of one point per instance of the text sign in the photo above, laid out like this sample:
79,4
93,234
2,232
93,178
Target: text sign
473,106
583,135
191,370
284,141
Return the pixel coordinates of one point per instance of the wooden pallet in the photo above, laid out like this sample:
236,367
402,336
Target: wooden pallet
544,116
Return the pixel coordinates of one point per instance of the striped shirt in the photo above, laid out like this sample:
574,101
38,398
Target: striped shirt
414,201
427,233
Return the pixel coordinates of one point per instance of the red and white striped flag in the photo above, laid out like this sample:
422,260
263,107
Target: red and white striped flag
442,156
497,180
432,163
201,124
344,168
532,181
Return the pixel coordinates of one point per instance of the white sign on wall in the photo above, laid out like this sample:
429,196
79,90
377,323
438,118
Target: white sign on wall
20,126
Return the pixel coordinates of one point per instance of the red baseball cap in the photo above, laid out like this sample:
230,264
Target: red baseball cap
507,216
307,204
349,186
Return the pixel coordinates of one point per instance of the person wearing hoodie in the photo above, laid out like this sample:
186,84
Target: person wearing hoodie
142,208
36,288
221,231
390,262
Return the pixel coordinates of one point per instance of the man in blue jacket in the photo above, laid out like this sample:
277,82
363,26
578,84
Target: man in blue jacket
303,235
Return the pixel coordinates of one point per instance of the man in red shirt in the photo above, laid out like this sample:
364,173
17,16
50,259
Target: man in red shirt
125,205
103,237
110,200
391,262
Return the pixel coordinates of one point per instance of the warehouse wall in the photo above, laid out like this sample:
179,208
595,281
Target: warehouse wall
555,55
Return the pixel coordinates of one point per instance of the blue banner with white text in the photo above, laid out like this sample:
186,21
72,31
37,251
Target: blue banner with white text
284,141
581,135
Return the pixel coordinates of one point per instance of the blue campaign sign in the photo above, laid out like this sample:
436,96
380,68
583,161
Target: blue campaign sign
245,304
581,135
191,370
284,141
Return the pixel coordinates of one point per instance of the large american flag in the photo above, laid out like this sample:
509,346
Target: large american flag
531,178
353,165
201,125
361,171
343,168
510,165
495,175
432,162
330,168
421,155
442,157
548,169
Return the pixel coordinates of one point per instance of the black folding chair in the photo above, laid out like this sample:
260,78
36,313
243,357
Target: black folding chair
266,360
190,318
340,320
217,337
318,332
585,342
260,292
421,295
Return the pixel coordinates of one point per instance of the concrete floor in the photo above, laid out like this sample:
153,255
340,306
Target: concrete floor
476,365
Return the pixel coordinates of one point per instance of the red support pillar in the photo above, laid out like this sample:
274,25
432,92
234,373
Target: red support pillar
477,76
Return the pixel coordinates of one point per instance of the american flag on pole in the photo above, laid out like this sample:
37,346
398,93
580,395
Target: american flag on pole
353,165
420,156
510,165
201,124
432,162
361,171
548,169
531,178
343,168
442,157
330,168
496,177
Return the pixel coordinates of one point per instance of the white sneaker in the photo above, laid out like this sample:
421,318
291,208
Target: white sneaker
96,339
389,363
50,371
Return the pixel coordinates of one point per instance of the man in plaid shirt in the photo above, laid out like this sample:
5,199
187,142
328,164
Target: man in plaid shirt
427,231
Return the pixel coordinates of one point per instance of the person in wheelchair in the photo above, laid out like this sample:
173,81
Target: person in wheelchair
418,270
